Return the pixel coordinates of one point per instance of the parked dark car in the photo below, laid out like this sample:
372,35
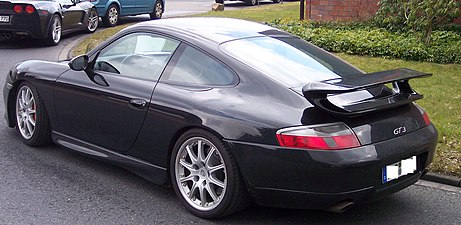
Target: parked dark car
227,111
111,10
47,20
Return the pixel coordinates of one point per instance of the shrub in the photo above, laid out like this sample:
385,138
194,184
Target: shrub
422,16
364,39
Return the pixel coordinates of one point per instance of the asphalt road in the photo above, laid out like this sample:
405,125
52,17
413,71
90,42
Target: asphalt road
54,186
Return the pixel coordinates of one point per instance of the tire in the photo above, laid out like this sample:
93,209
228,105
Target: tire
251,2
158,10
214,175
32,121
54,31
219,1
93,21
112,16
276,1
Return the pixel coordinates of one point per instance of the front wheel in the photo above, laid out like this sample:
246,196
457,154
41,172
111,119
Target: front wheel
158,10
54,31
205,176
111,17
93,21
276,1
32,120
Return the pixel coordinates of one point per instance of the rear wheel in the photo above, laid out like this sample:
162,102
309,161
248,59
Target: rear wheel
93,21
111,17
32,120
158,10
205,176
251,2
276,1
54,31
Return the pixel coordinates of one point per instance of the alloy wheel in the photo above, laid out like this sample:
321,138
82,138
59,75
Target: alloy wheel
113,15
93,21
56,29
200,173
26,112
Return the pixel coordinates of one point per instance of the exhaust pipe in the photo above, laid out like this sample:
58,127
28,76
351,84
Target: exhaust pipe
341,206
5,36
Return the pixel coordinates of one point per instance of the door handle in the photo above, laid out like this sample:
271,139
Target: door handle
138,103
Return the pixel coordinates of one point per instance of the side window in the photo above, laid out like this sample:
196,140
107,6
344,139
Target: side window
196,68
137,55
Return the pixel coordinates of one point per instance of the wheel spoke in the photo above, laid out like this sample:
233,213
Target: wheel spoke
216,182
187,165
215,168
208,157
193,189
192,156
31,121
188,178
200,152
29,126
212,193
202,193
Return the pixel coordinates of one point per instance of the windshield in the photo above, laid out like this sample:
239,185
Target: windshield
288,60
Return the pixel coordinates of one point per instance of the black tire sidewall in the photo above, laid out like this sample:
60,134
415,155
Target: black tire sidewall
220,210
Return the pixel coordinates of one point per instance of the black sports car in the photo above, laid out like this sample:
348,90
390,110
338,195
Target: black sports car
46,19
227,111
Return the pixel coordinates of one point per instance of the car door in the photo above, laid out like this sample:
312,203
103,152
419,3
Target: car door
145,6
72,14
106,104
128,7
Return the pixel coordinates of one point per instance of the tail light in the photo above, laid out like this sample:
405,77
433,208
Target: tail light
426,118
17,9
30,9
320,137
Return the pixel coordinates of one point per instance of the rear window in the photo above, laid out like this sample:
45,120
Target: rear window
288,60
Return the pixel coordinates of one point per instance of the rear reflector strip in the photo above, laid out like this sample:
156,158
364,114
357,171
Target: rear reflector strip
320,137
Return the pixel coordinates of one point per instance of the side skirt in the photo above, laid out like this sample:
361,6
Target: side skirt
146,170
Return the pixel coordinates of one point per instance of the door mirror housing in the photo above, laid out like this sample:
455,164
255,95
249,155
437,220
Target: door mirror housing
79,63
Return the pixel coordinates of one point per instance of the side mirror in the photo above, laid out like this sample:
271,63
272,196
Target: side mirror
79,63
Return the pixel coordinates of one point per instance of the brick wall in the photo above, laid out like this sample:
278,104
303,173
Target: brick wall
343,9
340,9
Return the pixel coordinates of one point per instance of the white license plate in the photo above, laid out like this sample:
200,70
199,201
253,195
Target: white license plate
398,169
4,19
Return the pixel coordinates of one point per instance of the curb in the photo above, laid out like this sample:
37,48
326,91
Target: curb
442,179
66,52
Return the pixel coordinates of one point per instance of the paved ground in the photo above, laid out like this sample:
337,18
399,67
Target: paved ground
54,186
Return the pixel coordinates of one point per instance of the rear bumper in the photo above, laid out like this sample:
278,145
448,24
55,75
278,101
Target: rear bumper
293,178
25,25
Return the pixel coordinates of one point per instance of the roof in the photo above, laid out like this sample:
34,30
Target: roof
217,29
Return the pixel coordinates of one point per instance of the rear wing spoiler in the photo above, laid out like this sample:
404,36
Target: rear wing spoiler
317,92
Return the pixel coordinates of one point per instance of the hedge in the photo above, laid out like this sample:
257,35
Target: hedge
366,39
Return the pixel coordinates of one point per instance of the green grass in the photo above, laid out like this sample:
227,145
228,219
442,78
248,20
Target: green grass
442,91
263,13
